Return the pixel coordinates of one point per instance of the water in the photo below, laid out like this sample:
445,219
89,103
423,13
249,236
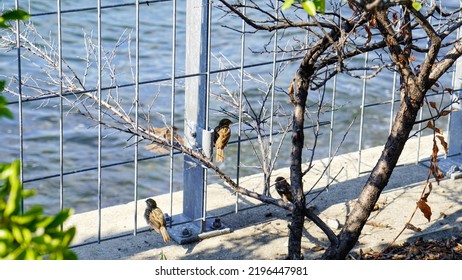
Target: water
41,117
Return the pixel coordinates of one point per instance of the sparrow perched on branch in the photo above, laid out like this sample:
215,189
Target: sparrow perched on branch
284,190
155,219
165,134
221,135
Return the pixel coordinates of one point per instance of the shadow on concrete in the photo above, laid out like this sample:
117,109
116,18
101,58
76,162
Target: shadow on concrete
258,227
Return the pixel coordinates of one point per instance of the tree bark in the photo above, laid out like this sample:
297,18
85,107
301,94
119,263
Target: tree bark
302,80
377,181
298,212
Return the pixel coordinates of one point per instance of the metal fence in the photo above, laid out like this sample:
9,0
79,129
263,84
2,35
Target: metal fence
190,66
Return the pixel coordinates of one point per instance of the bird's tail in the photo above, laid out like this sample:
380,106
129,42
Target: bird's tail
165,235
220,155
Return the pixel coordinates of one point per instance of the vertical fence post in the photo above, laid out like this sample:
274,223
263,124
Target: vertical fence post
192,223
452,164
20,107
455,122
137,103
363,104
195,111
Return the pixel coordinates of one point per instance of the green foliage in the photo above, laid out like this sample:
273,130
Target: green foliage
417,5
4,112
162,256
12,15
313,6
30,235
310,6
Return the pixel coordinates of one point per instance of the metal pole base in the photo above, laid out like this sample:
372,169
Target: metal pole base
451,166
185,232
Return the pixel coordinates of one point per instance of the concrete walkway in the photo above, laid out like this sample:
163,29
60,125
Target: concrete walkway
261,232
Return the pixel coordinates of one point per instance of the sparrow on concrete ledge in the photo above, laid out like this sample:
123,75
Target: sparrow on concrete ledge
155,219
284,190
221,135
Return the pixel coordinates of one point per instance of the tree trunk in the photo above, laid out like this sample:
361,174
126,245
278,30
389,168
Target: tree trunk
378,178
296,175
301,85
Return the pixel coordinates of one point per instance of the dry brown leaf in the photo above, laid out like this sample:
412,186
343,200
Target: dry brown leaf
445,112
449,90
412,227
458,248
415,250
426,210
428,191
377,224
434,128
291,93
443,143
433,105
373,21
369,34
395,19
317,248
352,7
435,151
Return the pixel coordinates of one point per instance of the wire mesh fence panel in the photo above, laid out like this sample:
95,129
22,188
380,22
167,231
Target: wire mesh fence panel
91,81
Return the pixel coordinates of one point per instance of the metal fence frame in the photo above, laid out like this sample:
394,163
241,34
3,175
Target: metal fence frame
199,70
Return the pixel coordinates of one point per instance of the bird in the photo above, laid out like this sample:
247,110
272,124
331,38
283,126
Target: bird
164,133
283,189
221,135
155,219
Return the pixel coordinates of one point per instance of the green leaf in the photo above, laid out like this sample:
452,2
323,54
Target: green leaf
45,222
11,174
4,111
33,214
3,249
320,5
30,255
417,5
28,193
12,15
68,236
16,254
69,255
17,234
309,7
5,236
15,14
26,235
59,218
287,4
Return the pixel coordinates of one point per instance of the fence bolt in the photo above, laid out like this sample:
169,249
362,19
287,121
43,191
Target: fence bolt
186,232
217,223
167,217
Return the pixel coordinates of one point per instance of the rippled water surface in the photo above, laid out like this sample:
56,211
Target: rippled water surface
41,118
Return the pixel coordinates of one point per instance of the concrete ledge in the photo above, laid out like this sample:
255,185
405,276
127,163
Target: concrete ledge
260,231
